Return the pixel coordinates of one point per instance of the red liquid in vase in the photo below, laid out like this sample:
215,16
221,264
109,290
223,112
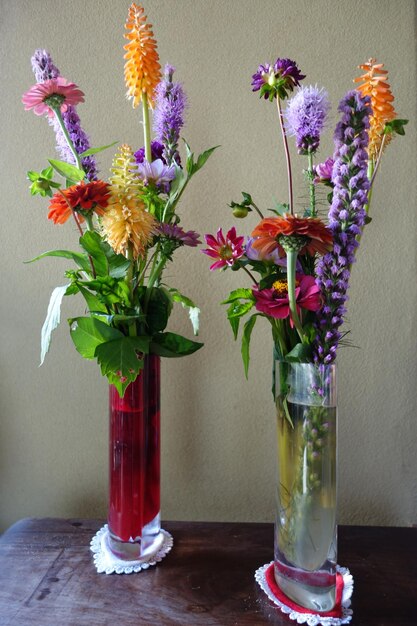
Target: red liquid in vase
134,481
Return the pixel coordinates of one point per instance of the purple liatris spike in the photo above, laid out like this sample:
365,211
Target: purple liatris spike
44,69
168,119
306,116
346,220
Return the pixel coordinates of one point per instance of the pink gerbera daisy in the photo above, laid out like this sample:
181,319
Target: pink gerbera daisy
56,93
226,249
275,303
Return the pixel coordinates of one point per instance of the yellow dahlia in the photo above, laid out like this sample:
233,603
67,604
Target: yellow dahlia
142,68
375,85
126,220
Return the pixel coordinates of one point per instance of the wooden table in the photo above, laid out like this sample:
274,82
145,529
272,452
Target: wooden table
47,577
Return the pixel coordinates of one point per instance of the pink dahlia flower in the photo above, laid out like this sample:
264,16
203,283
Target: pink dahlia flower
226,249
274,302
55,92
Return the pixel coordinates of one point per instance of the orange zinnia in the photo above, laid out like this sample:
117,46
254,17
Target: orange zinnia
318,237
142,69
93,196
375,85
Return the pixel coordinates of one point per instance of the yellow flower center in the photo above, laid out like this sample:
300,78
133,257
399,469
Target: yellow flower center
226,252
281,287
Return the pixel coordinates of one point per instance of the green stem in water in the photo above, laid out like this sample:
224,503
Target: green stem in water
291,265
65,132
146,128
312,186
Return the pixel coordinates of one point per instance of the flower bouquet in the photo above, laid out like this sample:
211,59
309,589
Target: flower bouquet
129,230
298,269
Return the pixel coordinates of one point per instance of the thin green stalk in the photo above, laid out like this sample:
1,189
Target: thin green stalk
311,184
146,128
129,281
257,210
291,265
287,155
65,132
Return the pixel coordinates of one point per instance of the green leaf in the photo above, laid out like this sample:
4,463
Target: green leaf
53,317
120,360
395,126
247,198
247,331
91,242
93,303
234,323
173,345
238,309
91,151
301,353
80,259
110,290
158,310
203,157
238,294
193,310
67,171
88,333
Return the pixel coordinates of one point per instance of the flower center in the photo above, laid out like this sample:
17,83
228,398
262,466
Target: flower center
280,287
54,101
226,252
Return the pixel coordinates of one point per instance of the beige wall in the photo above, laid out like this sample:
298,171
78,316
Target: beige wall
218,430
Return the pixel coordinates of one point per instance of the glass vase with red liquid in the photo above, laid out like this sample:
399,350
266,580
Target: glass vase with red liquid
134,480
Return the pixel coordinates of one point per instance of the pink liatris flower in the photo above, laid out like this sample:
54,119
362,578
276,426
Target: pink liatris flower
56,93
226,249
274,302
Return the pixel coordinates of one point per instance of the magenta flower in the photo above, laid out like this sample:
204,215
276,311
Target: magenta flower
274,302
324,171
226,249
53,93
178,234
277,80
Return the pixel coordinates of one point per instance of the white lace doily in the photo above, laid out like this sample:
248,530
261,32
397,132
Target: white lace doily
107,563
310,618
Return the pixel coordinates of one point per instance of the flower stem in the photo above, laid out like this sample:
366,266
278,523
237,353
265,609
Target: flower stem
287,155
146,128
257,210
291,265
250,274
68,139
378,161
310,172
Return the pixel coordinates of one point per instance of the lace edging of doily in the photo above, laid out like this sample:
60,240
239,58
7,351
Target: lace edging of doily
310,618
107,563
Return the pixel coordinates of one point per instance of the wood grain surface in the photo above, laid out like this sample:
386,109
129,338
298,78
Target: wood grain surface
47,577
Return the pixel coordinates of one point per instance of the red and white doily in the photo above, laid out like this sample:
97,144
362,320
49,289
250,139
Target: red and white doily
340,614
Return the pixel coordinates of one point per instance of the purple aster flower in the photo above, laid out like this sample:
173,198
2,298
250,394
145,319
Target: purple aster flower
44,69
168,118
277,80
306,115
156,150
156,173
178,234
346,220
324,171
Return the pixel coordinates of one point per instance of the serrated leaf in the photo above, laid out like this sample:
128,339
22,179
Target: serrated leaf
80,259
238,294
120,360
93,303
88,333
53,318
246,335
239,309
234,323
91,243
67,171
91,151
172,345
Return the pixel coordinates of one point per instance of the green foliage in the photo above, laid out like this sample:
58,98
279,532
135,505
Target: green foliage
192,166
193,310
158,310
110,290
91,151
121,359
173,345
238,309
88,332
395,127
238,294
246,335
80,259
42,182
301,353
67,171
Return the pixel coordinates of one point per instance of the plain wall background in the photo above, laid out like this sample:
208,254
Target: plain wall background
218,430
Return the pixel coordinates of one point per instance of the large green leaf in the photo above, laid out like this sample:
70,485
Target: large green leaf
122,359
93,303
88,333
246,335
238,309
80,259
173,345
67,171
53,317
91,241
110,290
238,294
158,309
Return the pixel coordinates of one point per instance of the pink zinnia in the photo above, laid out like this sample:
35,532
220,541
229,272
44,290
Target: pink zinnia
274,302
53,93
226,249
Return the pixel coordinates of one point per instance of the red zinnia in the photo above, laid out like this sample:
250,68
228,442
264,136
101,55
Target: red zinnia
318,236
93,196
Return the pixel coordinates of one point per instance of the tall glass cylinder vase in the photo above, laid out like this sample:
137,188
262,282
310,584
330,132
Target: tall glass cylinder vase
134,479
305,528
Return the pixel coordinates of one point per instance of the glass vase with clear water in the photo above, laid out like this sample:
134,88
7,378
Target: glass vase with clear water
305,528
